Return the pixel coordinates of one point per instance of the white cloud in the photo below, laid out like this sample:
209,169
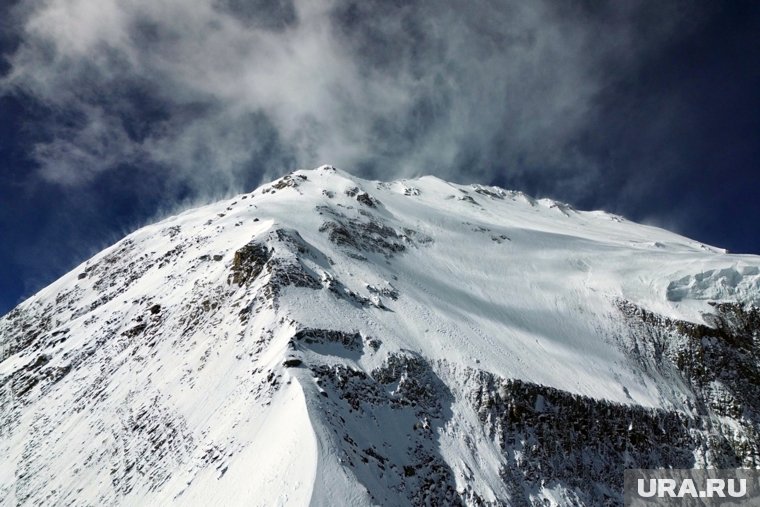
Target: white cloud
403,89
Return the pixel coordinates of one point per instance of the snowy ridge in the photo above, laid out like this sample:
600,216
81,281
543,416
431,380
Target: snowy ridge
337,341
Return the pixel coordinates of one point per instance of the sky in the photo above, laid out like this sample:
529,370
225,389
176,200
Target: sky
114,114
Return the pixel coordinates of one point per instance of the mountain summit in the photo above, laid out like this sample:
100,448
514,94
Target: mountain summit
329,340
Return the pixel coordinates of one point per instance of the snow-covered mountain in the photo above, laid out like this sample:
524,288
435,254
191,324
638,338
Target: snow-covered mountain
328,340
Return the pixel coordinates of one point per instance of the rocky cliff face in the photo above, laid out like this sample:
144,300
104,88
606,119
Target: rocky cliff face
330,340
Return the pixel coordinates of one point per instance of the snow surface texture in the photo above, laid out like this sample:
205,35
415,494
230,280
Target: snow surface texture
328,340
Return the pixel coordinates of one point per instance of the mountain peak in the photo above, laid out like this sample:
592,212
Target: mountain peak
329,339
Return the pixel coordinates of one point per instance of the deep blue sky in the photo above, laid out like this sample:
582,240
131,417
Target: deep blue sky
651,111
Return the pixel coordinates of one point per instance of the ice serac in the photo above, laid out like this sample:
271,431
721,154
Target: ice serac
328,340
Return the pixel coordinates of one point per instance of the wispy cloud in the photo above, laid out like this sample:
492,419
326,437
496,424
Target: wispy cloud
216,90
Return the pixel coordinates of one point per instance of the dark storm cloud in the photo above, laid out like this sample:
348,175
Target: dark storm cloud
214,91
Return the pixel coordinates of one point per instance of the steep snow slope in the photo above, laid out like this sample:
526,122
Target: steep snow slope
337,341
